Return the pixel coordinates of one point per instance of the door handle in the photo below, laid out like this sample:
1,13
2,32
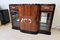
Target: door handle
26,19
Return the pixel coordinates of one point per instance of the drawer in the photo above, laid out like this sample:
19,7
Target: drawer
13,9
47,8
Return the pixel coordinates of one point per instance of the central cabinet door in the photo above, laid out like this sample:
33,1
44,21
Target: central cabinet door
29,18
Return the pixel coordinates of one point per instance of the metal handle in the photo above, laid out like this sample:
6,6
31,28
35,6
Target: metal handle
25,19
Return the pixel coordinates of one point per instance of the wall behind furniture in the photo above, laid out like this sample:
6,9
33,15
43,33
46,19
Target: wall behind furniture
4,4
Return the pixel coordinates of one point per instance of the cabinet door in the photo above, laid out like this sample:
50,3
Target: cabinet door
14,16
29,17
47,12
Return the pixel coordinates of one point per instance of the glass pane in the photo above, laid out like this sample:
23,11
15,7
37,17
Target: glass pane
16,22
43,17
15,19
45,20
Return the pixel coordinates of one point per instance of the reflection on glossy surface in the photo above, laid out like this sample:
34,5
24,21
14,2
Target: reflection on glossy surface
15,22
45,20
44,26
15,19
43,17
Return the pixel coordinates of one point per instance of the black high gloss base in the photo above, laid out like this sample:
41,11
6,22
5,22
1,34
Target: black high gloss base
15,28
28,32
45,32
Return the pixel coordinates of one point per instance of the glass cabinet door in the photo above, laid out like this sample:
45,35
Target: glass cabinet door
45,21
15,20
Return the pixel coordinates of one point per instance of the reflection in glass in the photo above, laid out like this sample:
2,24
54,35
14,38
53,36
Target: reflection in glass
15,19
45,19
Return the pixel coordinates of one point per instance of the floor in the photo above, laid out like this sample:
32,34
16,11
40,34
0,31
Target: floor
7,33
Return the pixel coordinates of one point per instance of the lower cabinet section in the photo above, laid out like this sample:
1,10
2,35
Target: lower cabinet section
32,18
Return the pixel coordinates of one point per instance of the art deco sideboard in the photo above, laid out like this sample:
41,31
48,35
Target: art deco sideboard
32,18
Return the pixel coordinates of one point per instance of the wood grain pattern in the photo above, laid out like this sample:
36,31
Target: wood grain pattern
30,16
30,12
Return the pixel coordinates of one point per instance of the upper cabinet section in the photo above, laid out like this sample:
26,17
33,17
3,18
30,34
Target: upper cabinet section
47,7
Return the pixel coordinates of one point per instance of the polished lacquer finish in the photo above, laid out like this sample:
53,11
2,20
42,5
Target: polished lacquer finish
29,18
32,18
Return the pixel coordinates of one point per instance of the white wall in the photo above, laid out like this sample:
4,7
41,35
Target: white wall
56,21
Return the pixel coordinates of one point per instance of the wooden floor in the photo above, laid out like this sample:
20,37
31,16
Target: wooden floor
7,33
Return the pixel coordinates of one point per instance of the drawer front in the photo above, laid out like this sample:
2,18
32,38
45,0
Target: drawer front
47,8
